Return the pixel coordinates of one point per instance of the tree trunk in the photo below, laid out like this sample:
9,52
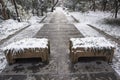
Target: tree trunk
116,8
94,5
16,10
42,14
104,4
4,11
54,4
12,2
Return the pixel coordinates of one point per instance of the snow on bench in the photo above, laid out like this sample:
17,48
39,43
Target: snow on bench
91,47
28,48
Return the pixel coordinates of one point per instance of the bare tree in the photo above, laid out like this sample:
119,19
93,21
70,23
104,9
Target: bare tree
104,3
4,10
18,18
54,4
116,4
93,5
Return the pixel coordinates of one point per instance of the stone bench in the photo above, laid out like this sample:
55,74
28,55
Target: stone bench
28,48
91,47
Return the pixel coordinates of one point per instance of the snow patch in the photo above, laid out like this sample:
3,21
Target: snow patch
9,27
97,19
91,42
26,43
3,63
34,19
86,30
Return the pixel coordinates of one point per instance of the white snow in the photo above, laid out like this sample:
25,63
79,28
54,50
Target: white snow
98,19
90,17
9,27
91,42
34,19
27,43
86,18
86,30
27,33
3,62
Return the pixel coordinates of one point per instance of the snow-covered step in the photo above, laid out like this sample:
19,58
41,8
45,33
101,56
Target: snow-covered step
91,47
28,48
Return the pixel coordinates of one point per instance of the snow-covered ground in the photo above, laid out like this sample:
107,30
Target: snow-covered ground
9,27
90,32
97,19
91,42
82,27
86,30
35,19
29,32
101,20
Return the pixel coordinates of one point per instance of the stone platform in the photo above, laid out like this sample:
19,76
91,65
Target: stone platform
91,47
28,48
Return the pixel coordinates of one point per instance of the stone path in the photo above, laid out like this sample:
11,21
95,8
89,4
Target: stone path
58,30
59,33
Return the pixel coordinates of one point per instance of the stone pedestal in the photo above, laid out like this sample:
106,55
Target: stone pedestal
28,48
91,47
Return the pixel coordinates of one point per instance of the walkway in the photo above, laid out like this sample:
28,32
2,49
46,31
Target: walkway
58,30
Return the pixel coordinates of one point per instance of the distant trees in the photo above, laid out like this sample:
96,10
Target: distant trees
93,5
116,5
4,11
37,7
76,4
104,5
18,9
